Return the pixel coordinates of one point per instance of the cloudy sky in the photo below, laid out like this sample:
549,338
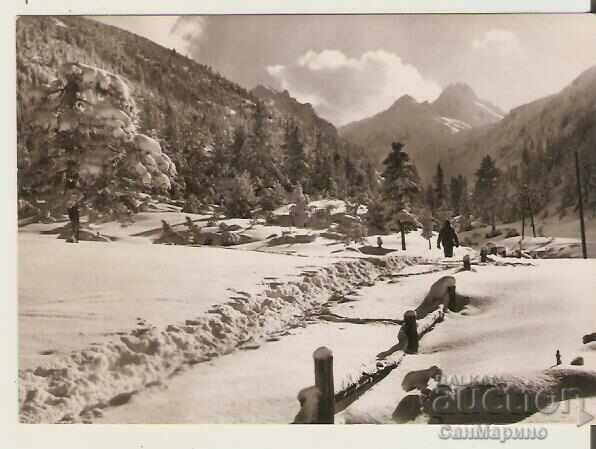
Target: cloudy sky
350,67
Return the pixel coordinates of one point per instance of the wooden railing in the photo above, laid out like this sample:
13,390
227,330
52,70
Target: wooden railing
319,403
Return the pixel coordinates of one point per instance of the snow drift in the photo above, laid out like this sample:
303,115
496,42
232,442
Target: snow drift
78,386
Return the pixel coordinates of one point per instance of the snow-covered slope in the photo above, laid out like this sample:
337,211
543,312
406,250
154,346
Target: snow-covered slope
101,321
481,342
133,332
518,318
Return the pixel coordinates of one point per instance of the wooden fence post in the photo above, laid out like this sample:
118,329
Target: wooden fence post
411,330
323,358
467,265
452,298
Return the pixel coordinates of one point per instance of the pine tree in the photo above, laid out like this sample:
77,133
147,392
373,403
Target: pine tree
427,226
429,197
464,204
172,131
219,166
273,197
376,218
440,193
239,197
262,167
455,193
296,159
322,167
253,151
237,163
88,121
340,179
485,199
527,194
401,184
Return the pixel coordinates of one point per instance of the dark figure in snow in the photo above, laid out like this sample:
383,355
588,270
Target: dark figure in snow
379,242
558,357
448,238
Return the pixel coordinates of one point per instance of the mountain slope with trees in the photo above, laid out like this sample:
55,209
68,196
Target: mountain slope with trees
214,131
533,147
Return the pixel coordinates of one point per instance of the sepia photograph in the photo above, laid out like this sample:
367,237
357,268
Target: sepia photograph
308,219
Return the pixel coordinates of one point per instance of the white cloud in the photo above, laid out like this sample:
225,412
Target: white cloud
325,60
500,39
275,70
344,89
187,31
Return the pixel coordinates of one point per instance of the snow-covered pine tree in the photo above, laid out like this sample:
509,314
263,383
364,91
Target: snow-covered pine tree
376,219
86,120
299,208
401,184
427,226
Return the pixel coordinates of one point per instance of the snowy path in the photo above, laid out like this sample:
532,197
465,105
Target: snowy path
261,386
257,386
100,322
518,317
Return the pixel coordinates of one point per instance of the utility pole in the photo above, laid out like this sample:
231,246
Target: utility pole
581,205
531,217
523,224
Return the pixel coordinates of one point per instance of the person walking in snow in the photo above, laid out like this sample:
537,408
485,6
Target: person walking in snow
448,238
379,242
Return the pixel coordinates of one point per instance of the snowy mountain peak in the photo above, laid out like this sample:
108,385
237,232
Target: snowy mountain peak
426,128
460,102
